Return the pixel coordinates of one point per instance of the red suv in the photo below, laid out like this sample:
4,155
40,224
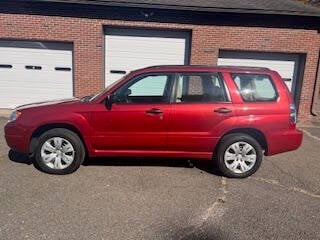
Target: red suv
233,115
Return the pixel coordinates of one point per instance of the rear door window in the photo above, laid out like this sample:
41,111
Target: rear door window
200,87
255,87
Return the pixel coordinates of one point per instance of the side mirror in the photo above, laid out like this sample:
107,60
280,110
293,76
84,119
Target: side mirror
109,101
127,93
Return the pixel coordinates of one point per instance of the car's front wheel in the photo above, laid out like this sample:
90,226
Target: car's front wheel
59,151
239,155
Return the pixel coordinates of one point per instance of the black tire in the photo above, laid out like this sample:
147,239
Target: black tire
75,141
227,141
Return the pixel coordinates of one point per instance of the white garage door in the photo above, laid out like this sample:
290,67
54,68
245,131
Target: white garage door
284,68
31,75
124,53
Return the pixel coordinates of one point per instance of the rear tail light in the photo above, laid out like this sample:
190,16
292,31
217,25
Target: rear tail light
293,114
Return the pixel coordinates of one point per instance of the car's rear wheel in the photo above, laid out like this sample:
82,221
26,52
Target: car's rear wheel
239,155
59,151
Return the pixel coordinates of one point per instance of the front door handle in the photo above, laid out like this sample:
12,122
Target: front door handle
154,111
223,110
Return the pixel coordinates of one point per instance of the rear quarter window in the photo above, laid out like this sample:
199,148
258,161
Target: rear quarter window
255,87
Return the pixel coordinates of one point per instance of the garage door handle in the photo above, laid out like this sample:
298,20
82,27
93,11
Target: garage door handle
154,111
223,110
118,71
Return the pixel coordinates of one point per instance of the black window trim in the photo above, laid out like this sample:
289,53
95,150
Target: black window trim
64,69
275,99
225,88
6,66
33,67
171,80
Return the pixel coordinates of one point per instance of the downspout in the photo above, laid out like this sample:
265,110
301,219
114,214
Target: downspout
316,89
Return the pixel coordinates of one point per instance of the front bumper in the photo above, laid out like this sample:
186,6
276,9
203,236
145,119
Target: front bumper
17,137
284,141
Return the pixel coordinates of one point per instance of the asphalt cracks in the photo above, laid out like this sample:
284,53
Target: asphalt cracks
161,199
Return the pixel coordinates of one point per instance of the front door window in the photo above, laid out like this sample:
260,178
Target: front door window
145,89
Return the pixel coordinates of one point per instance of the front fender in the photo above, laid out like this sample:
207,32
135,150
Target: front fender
74,121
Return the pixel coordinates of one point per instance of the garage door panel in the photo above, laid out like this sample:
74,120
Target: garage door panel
146,54
22,75
44,90
131,63
136,46
22,56
127,53
129,57
138,43
28,84
19,85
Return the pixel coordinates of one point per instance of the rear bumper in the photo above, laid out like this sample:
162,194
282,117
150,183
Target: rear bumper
16,137
284,141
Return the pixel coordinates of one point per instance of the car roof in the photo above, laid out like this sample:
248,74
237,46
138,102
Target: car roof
199,68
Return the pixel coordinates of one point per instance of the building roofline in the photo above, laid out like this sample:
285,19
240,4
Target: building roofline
312,11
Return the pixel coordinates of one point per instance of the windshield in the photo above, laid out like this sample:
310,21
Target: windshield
96,96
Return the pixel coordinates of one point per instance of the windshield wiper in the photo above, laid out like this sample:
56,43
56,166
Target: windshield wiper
87,98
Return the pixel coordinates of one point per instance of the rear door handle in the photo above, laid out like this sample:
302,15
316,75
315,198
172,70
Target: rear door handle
154,111
223,110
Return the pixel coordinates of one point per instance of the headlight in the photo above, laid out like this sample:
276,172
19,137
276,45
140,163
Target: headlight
14,115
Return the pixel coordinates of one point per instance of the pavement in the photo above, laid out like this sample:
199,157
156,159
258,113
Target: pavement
111,198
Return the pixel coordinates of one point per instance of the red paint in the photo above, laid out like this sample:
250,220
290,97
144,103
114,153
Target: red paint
182,130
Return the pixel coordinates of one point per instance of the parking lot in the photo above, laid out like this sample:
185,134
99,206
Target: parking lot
162,199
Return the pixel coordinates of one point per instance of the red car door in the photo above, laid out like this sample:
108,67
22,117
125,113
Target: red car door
138,118
201,111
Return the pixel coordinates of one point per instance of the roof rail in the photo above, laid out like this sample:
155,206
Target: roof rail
219,66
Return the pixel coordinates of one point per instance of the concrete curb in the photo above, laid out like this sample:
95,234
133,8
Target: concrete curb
312,124
5,113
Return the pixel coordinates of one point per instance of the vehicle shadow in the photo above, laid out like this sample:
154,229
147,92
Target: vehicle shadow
206,166
19,157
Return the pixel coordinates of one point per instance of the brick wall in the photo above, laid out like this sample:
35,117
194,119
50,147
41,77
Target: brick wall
87,38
